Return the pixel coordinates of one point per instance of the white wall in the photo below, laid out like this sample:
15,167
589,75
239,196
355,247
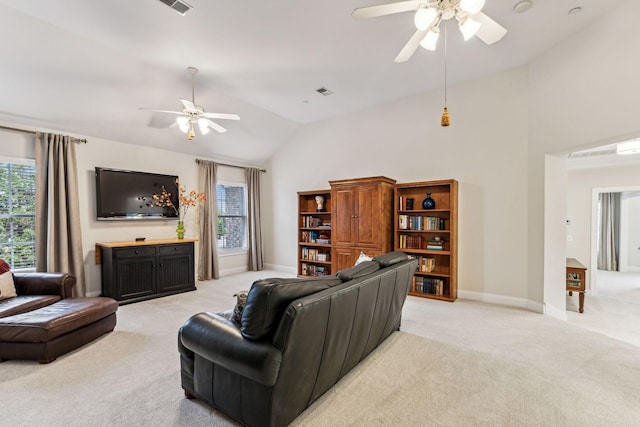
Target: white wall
580,186
554,236
583,93
117,155
633,236
484,149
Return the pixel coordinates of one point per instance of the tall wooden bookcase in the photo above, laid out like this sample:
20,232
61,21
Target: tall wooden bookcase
431,235
314,234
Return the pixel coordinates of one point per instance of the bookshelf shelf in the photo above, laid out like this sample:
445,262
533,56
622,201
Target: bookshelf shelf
416,230
314,234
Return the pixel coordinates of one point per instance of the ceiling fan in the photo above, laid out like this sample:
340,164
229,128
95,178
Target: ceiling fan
194,115
428,16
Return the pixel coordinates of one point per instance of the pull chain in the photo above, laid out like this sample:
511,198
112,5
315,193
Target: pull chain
444,120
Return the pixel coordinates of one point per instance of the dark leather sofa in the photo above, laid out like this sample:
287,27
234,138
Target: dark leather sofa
296,339
43,321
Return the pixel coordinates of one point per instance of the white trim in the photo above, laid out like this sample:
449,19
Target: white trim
501,300
17,160
245,213
232,271
231,252
284,268
554,312
593,274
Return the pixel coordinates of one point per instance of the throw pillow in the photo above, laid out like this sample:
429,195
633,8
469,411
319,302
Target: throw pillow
7,288
241,301
361,258
4,267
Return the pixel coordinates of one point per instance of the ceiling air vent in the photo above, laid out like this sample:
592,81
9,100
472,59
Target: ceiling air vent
178,6
324,91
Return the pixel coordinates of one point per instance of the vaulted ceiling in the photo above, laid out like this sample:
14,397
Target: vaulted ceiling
87,67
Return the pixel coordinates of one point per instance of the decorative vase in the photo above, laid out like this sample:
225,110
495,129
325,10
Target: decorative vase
180,230
428,202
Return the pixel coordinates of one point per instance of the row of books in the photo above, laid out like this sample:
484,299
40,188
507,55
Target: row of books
314,222
426,264
411,222
405,203
320,237
428,285
406,241
312,254
436,244
314,270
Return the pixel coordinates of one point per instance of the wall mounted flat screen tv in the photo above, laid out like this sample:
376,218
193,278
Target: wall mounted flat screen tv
126,195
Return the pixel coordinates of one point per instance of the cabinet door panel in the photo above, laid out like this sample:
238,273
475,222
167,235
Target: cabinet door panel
342,258
135,277
175,272
368,216
346,257
343,218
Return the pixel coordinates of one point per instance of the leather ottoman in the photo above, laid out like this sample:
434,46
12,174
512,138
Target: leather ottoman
48,332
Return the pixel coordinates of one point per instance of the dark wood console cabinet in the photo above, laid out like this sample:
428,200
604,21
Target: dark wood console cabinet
137,271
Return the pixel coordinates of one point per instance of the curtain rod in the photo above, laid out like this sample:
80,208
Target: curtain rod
33,132
230,165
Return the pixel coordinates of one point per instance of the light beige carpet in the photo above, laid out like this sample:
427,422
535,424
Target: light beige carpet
555,375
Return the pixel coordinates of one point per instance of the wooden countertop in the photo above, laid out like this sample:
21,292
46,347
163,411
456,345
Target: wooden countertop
574,263
130,243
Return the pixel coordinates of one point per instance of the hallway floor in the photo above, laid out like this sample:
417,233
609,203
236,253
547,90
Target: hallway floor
615,311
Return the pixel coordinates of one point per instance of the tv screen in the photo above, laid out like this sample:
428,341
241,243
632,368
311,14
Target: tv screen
124,194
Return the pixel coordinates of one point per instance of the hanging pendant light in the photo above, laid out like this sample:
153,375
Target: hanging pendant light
445,120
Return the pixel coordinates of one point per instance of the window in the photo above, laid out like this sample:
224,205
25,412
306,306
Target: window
232,216
17,213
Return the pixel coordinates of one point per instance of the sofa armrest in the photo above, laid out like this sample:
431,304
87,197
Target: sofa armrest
44,284
220,341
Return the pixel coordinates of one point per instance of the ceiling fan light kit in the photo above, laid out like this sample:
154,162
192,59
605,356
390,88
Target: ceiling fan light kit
468,27
428,16
194,115
430,41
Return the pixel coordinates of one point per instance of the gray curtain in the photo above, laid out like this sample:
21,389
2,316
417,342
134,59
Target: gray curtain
58,231
208,213
254,218
609,229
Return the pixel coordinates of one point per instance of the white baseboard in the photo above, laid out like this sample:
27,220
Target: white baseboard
285,268
232,271
501,300
554,312
94,294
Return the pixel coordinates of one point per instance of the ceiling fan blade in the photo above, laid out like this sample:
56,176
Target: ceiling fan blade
221,116
411,46
188,104
216,127
163,111
490,31
385,9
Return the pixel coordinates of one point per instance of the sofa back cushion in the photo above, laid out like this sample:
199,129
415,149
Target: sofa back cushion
268,299
359,270
390,258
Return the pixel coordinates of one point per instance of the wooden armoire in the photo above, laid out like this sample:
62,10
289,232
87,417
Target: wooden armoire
362,219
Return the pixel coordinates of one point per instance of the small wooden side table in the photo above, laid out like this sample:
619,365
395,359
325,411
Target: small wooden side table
576,279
